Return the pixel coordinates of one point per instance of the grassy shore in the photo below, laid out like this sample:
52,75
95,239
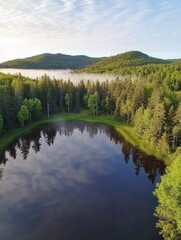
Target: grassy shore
127,131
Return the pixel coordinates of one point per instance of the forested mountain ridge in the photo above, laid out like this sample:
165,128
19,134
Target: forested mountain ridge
50,61
125,63
118,64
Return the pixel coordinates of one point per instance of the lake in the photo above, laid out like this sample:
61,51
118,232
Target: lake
59,74
77,181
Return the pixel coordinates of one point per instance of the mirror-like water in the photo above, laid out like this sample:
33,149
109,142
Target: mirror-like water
77,181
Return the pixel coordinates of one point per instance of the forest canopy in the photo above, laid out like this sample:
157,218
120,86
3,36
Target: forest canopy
150,103
168,211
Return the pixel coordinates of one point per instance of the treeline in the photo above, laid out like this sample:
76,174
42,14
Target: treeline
150,105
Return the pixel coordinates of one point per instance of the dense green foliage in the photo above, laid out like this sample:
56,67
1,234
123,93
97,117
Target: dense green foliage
33,106
168,211
93,102
1,123
50,61
23,114
67,101
123,63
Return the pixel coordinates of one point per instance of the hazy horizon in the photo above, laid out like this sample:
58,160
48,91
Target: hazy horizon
89,27
65,74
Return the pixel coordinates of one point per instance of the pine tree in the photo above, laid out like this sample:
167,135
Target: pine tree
157,122
168,210
163,146
93,102
138,121
67,101
1,123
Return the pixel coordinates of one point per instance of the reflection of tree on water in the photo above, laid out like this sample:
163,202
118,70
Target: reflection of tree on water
12,152
1,173
36,143
49,132
25,147
151,165
3,158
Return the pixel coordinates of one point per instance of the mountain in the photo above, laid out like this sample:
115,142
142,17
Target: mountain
114,64
50,61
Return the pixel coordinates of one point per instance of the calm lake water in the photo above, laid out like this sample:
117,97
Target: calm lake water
77,181
59,74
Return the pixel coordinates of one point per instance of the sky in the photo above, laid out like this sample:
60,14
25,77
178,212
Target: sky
90,27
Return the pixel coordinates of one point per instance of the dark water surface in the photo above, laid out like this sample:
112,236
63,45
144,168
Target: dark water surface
77,181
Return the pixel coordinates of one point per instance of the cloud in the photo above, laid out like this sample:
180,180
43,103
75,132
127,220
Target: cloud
90,26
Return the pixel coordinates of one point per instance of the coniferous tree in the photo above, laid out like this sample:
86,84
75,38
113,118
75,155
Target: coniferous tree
1,123
67,101
163,145
93,102
138,121
168,210
157,122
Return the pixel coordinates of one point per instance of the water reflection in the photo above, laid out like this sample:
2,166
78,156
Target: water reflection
76,180
150,164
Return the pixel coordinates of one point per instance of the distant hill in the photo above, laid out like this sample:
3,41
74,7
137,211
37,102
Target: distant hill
50,61
120,63
114,64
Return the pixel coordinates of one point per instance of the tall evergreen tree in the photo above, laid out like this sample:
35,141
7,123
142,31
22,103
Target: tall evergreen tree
157,122
1,123
67,101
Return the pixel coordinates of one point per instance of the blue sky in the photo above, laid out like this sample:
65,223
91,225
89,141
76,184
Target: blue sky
90,27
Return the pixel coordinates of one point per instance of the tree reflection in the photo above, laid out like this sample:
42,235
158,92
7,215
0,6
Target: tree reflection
12,152
151,165
49,132
3,158
32,140
1,173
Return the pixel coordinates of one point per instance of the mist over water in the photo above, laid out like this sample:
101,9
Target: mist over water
60,74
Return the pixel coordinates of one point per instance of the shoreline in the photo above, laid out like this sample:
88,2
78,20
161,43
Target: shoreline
126,130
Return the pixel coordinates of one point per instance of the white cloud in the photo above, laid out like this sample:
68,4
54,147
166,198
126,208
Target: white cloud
88,26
